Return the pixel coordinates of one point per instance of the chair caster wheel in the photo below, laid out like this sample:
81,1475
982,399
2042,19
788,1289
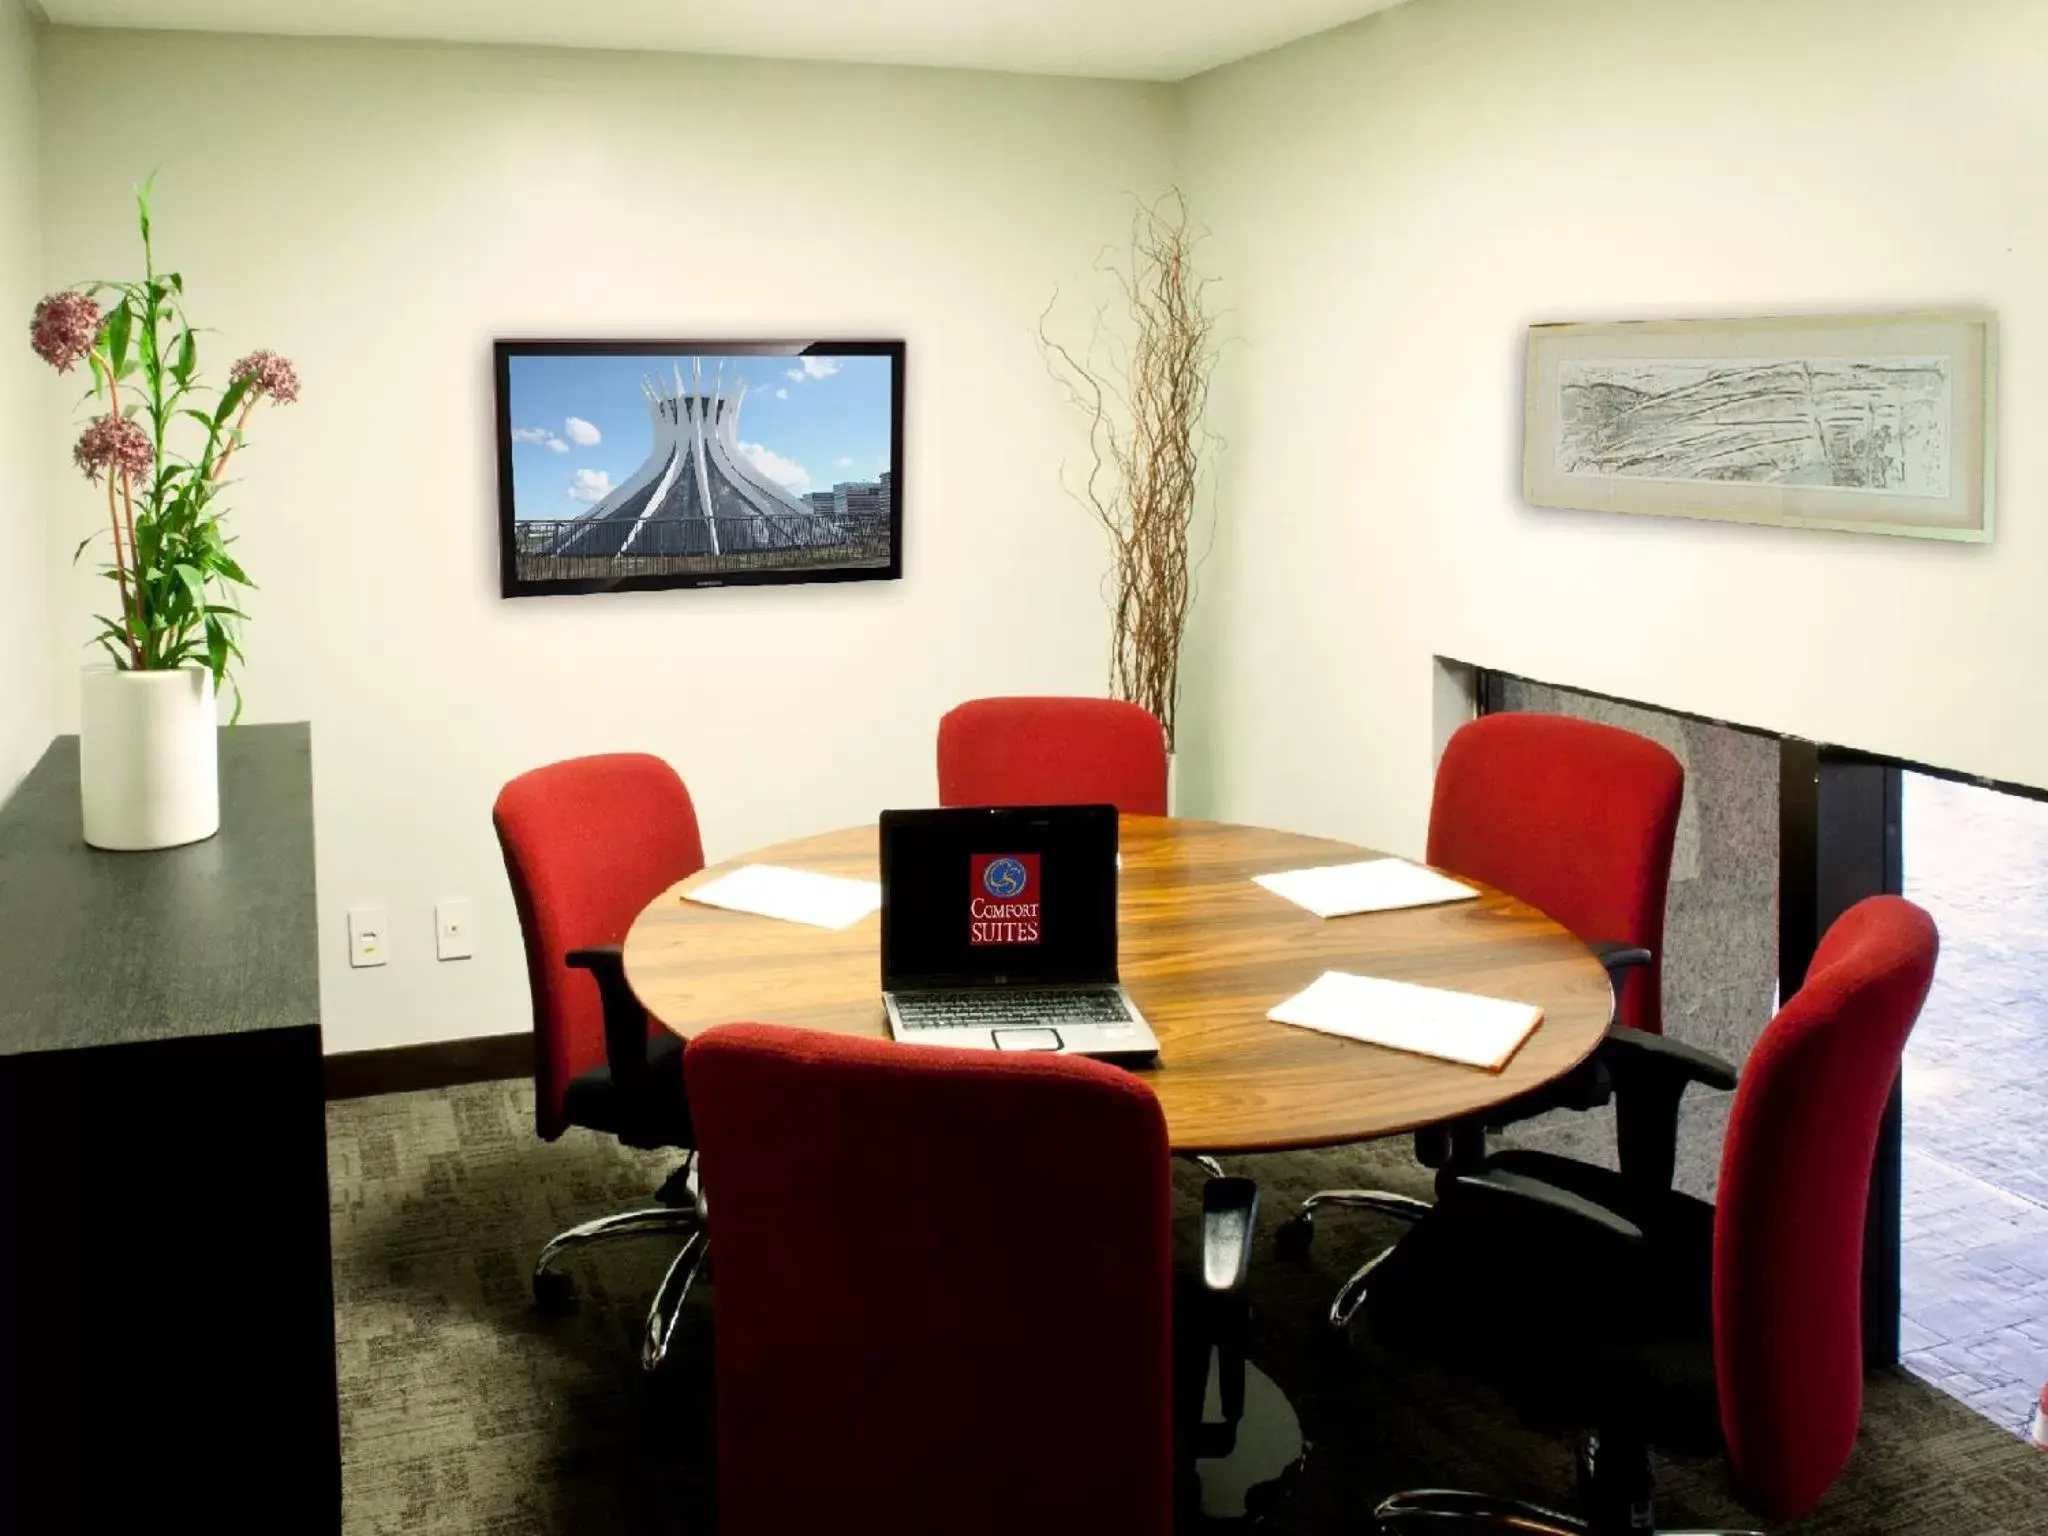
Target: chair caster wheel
554,1292
1293,1237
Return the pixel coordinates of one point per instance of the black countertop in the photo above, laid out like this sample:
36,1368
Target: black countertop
215,938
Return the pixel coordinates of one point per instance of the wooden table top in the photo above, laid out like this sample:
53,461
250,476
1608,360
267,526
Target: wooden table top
1204,953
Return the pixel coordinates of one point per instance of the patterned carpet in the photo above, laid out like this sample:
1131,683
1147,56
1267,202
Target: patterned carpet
465,1411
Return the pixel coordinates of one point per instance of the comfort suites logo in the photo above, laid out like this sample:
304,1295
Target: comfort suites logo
1002,902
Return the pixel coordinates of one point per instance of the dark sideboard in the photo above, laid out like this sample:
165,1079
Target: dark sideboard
166,1301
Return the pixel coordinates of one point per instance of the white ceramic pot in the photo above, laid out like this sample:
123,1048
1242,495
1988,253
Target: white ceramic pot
1173,783
148,758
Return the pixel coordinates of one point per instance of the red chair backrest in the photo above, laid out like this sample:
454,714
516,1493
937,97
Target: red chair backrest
1053,751
943,1288
1573,817
1789,1218
588,843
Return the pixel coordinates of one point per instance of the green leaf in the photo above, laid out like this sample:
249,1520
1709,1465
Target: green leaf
231,399
120,324
187,358
224,564
194,583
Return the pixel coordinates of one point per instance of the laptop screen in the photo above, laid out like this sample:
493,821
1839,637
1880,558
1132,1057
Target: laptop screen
999,897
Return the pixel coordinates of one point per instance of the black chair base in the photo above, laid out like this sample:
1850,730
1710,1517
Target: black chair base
680,1215
1443,1510
1296,1235
1614,1484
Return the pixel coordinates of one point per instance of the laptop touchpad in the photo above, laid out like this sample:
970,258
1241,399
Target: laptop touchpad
1026,1039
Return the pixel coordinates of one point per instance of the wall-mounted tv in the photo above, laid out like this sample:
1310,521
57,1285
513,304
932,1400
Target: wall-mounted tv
627,466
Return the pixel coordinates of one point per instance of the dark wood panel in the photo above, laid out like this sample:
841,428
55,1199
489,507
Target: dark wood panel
219,937
166,1306
1205,953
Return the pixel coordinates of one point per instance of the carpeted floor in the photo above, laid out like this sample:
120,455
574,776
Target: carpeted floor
463,1410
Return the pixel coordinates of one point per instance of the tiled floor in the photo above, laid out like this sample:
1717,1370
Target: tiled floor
1976,1192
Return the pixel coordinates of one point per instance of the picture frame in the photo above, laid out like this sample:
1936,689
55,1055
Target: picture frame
1870,423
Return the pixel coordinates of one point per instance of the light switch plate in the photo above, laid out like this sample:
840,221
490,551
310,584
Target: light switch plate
367,943
453,918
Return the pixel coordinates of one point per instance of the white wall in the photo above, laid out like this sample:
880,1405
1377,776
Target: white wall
380,212
1396,201
24,607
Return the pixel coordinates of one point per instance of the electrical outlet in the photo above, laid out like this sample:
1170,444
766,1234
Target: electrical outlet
367,944
452,919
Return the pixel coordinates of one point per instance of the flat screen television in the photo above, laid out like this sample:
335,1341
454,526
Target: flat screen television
630,465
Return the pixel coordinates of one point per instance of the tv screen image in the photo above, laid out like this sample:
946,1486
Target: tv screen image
633,465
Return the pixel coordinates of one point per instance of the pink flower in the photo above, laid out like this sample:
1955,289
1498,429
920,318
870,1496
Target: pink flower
114,442
275,376
63,329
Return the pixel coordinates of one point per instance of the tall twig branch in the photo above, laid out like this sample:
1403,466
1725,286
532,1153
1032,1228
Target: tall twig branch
1142,396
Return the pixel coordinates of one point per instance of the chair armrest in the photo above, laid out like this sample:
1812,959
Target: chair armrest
1230,1211
1619,958
1532,1195
625,1021
1633,1055
1620,961
1650,1075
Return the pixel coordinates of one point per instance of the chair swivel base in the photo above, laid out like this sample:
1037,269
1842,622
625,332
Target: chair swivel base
1616,1488
554,1290
1295,1236
1445,1510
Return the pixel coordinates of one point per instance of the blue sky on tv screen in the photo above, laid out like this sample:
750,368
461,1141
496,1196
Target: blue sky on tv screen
580,424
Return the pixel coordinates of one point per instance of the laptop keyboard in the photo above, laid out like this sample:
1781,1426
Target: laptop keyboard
1010,1007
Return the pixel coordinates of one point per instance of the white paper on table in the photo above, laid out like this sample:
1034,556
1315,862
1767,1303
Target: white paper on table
794,895
1371,885
1428,1021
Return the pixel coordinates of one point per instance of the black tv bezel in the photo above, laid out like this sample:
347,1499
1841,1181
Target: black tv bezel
510,584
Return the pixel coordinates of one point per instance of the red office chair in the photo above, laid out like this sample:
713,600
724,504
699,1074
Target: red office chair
1743,1327
1577,819
1053,751
588,843
971,1330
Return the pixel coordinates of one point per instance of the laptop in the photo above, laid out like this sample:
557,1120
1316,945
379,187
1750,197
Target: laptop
999,931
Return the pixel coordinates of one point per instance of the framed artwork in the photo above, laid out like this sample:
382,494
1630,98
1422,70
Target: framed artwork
1862,423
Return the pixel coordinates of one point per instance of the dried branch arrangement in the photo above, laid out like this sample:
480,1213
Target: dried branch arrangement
1141,382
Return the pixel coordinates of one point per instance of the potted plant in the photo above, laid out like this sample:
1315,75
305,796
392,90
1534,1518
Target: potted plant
1141,384
148,721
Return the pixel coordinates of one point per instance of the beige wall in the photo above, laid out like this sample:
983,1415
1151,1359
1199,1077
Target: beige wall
1391,205
1395,202
24,594
380,212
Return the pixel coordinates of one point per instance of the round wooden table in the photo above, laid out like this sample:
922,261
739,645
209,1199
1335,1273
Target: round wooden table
1204,953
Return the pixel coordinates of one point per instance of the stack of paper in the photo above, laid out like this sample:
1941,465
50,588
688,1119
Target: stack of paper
1371,885
1456,1026
794,895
